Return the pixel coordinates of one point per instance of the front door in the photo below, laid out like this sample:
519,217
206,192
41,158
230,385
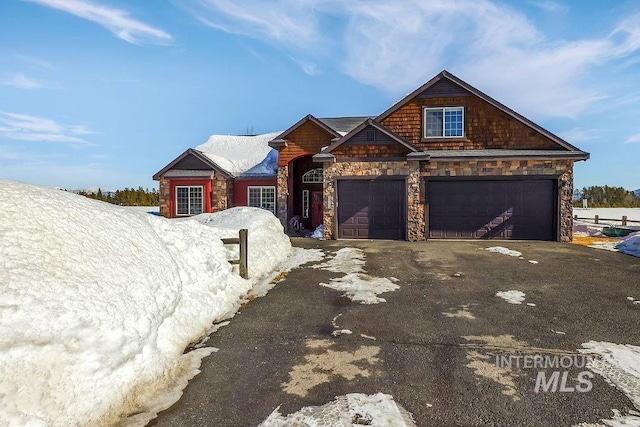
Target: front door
316,209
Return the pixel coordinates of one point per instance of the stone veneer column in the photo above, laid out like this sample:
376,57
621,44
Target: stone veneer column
566,204
410,170
163,197
282,193
415,205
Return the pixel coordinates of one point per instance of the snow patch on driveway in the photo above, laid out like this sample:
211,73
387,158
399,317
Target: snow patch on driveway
352,409
346,260
620,366
512,297
504,251
356,284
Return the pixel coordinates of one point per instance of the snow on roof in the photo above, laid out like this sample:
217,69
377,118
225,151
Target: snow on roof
242,155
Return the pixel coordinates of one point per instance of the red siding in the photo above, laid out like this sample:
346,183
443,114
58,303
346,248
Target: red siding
240,189
178,182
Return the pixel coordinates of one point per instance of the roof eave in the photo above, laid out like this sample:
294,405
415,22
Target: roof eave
277,144
324,158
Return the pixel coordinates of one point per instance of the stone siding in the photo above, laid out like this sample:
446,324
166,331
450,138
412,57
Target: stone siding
164,196
410,170
221,193
282,193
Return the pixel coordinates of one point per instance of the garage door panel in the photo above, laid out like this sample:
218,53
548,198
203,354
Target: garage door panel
494,209
371,209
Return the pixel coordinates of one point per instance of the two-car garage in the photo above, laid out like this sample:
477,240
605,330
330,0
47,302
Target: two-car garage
521,209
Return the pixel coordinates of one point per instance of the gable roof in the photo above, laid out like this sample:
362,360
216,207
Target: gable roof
370,122
344,125
189,152
453,79
233,155
335,126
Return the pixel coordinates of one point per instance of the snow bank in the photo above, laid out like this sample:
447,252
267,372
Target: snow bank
98,303
349,410
267,243
630,245
242,155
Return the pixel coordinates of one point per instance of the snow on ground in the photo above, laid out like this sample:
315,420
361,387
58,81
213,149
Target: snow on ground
619,364
98,303
356,284
512,297
255,157
630,245
608,213
318,233
349,410
504,251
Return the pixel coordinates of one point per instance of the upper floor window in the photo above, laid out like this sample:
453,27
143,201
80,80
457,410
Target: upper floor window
314,176
444,122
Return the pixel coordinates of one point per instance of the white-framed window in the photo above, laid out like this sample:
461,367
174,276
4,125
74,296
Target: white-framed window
189,199
314,176
443,122
305,203
263,197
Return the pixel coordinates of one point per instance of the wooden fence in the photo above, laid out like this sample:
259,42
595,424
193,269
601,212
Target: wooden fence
241,240
597,219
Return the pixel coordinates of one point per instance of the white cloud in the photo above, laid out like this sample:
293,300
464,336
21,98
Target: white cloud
550,6
39,129
290,22
20,81
115,20
633,139
396,46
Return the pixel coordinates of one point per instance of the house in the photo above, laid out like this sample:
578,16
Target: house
446,161
217,175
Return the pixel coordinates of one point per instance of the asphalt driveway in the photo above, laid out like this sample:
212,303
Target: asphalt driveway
432,345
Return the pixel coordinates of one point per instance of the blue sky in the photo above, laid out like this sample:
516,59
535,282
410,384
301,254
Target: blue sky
107,92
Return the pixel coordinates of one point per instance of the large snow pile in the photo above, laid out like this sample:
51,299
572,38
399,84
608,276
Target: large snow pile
242,155
630,245
98,303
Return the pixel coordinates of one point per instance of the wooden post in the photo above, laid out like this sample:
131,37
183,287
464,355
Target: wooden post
244,272
597,218
624,220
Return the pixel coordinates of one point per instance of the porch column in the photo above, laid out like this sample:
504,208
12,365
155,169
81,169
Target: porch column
283,194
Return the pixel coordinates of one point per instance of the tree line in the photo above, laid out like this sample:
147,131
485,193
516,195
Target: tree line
606,197
126,197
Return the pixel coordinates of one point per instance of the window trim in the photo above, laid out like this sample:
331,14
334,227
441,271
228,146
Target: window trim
444,122
262,188
305,203
202,199
312,176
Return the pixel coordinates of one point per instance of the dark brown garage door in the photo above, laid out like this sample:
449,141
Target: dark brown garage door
501,209
371,209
